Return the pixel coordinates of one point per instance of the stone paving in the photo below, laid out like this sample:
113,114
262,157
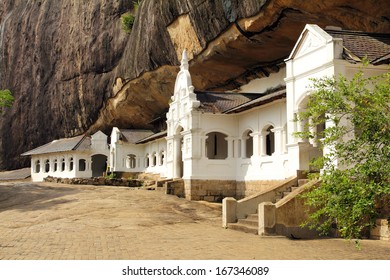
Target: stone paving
65,222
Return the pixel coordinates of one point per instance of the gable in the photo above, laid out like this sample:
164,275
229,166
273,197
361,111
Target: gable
99,136
311,39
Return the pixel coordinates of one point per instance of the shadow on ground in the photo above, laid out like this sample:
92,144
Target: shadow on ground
31,197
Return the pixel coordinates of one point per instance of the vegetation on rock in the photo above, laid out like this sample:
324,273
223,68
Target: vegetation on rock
6,99
355,188
128,18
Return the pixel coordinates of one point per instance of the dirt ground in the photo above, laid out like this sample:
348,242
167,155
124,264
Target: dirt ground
65,222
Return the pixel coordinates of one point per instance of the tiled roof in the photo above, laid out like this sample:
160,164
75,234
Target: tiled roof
219,102
357,45
233,102
78,143
264,99
155,136
134,135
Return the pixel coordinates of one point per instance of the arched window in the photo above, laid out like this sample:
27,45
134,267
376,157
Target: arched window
62,164
55,166
37,166
270,141
47,166
216,145
248,144
131,161
71,164
82,164
162,158
154,157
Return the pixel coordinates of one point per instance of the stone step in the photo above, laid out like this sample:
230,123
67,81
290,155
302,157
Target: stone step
249,222
302,182
286,194
254,217
277,198
243,228
294,188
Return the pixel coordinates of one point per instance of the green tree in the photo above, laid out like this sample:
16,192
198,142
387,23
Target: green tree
356,190
6,99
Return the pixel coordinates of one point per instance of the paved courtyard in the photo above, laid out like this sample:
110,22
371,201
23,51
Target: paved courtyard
53,221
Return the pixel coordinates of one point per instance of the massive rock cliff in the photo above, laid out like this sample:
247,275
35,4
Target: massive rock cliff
73,69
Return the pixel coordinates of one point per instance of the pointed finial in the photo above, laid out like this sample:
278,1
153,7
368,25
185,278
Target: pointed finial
184,61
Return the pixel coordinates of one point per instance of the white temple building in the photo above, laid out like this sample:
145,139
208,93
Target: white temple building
78,157
226,144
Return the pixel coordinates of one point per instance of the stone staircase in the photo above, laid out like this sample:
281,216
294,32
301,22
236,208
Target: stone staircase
251,223
248,225
281,195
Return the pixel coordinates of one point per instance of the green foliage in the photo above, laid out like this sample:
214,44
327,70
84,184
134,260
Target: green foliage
127,22
110,175
6,99
136,5
356,190
128,18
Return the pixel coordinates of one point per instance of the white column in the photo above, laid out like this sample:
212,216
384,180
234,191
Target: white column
230,141
51,165
263,143
256,143
89,164
278,139
284,141
177,156
204,146
243,146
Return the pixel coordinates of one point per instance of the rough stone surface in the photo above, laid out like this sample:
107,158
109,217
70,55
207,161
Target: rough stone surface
209,190
248,188
62,58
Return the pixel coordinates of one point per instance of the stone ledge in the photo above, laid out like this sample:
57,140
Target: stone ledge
100,181
381,231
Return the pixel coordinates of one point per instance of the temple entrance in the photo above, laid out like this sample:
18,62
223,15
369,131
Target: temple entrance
99,165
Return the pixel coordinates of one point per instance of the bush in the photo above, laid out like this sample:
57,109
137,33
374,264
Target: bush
128,19
6,99
356,167
127,22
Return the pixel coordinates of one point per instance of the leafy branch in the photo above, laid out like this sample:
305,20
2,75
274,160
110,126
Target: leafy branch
355,188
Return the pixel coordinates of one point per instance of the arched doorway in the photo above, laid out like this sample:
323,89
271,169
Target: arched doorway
99,165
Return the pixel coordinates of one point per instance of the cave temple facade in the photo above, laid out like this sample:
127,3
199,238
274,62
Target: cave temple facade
233,144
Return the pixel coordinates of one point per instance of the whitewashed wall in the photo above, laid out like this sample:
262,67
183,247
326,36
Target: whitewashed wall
72,167
150,157
68,172
316,55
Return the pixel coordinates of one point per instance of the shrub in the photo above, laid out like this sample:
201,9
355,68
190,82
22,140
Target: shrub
127,22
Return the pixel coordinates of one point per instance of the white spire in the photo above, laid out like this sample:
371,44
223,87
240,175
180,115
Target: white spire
184,61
